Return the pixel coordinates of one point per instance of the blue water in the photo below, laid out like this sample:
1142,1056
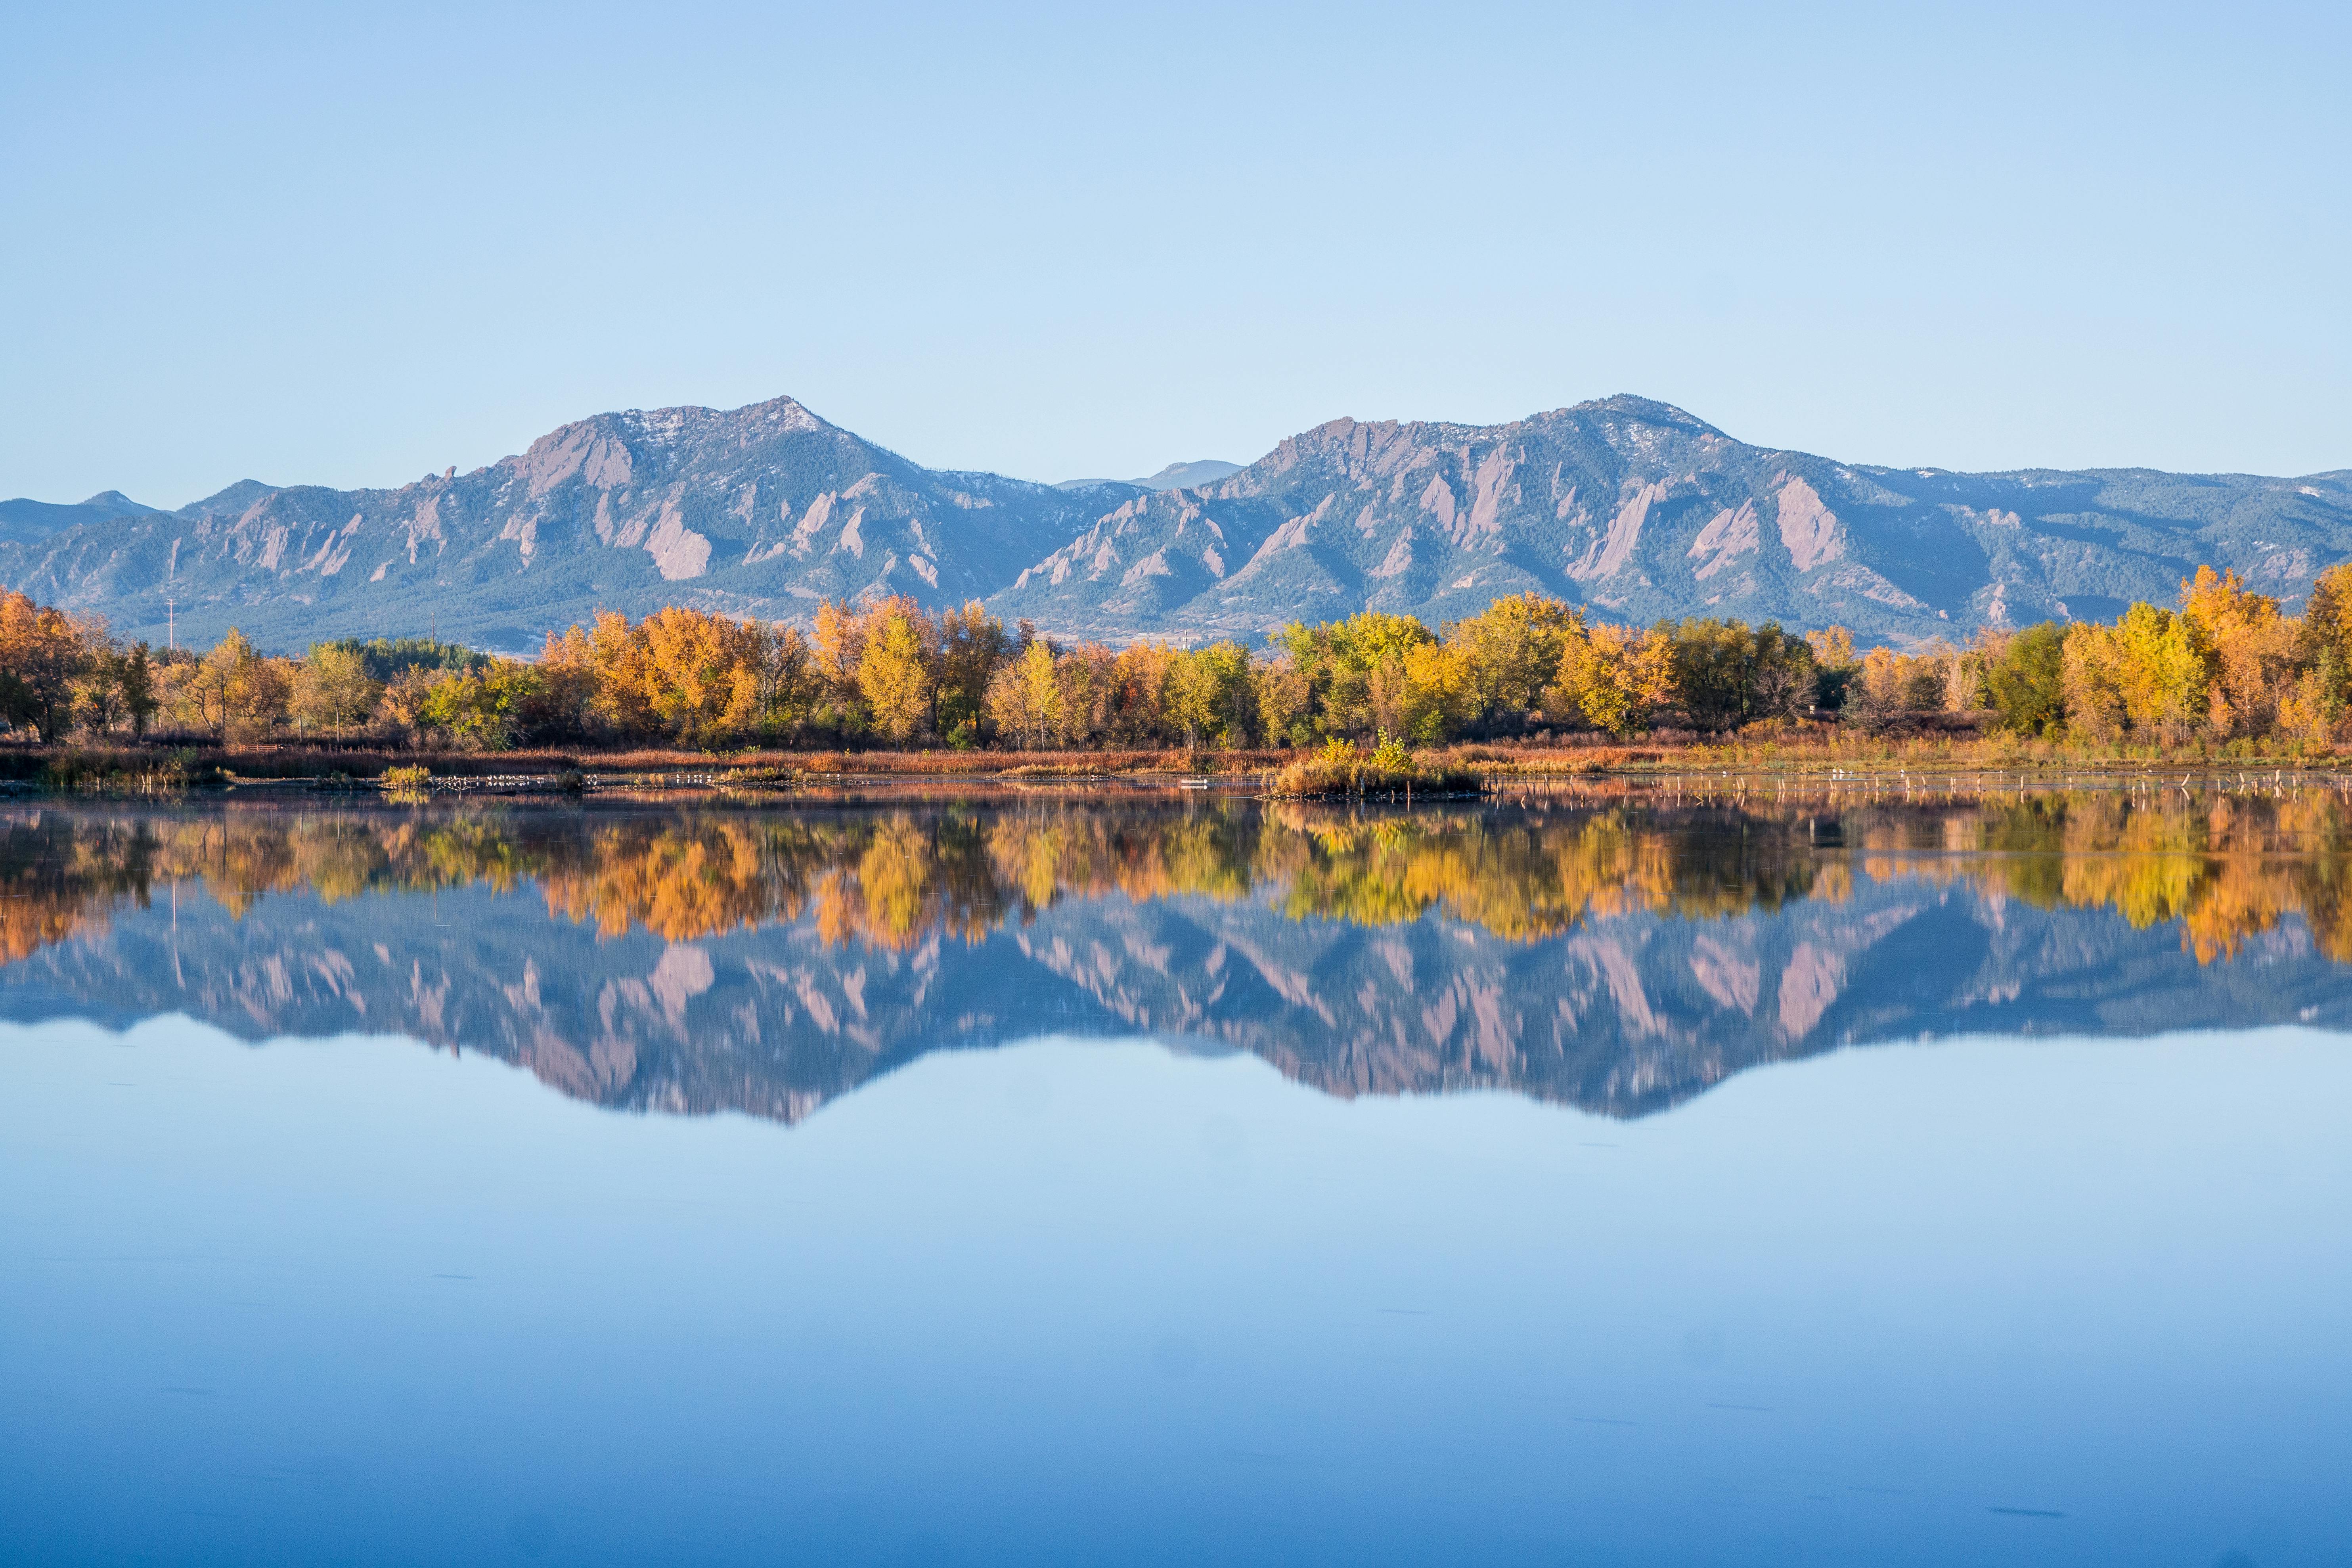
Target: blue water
1091,1300
1623,1181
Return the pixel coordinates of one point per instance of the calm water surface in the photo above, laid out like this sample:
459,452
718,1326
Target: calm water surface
1619,1178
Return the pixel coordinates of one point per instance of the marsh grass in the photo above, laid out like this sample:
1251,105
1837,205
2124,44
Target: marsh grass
1342,770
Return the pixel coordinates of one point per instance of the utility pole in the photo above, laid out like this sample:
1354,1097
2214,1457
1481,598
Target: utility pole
171,623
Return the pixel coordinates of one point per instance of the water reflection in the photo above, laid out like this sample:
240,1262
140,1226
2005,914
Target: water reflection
1618,951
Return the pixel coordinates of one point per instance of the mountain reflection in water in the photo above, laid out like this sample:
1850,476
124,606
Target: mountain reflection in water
1620,952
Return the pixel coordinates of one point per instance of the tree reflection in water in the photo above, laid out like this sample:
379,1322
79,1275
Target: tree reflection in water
1615,950
2223,866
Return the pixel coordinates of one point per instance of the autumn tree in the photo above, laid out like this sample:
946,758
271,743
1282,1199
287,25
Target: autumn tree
1444,692
1024,699
700,673
1135,695
42,654
1283,698
333,688
1087,685
2145,674
1619,678
837,648
2250,651
234,690
897,667
566,705
1505,656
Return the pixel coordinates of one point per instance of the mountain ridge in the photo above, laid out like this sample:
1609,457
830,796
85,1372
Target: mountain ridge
1634,508
1174,477
23,521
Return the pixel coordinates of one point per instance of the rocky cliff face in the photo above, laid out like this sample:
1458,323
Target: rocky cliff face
1642,510
1633,507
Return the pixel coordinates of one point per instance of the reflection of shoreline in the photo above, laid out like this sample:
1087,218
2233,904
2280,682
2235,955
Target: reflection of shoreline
2225,867
1622,961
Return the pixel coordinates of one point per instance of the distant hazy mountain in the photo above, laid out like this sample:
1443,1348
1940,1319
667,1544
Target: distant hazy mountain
24,522
1633,507
1174,477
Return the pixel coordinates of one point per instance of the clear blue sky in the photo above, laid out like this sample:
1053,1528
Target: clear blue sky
347,246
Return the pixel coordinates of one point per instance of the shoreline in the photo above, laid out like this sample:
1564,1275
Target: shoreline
1688,774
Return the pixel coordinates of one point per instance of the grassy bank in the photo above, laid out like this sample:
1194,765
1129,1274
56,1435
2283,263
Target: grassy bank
1336,770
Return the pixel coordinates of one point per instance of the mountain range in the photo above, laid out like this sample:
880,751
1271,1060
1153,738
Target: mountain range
1631,506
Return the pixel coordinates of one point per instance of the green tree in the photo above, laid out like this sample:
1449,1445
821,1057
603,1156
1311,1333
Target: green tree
1728,674
972,645
2027,684
480,708
2325,636
1207,695
135,678
1355,668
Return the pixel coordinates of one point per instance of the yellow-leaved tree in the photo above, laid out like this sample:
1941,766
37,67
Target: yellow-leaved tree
896,668
2146,675
1024,701
1618,676
701,673
2251,649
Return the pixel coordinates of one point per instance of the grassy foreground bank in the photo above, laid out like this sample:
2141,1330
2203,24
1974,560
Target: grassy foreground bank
1336,770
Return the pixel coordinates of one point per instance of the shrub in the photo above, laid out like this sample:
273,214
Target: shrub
407,785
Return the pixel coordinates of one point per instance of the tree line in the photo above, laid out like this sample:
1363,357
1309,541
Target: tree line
2226,664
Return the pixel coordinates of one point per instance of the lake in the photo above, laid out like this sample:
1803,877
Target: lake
1612,1174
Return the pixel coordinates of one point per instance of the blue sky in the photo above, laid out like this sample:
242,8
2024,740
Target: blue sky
350,246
